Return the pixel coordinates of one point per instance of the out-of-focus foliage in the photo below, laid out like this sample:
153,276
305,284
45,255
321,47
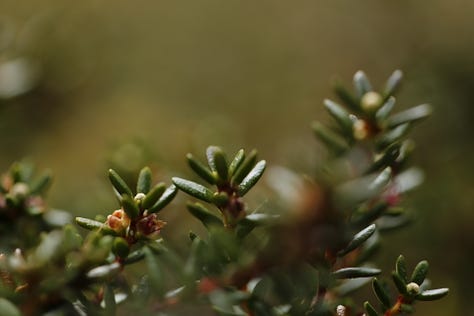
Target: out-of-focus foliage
90,75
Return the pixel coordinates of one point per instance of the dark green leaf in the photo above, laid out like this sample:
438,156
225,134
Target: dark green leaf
200,169
361,83
355,272
218,162
130,206
164,200
154,271
413,114
393,135
346,97
41,184
135,256
144,181
401,268
432,295
120,247
330,138
220,199
389,156
419,273
194,189
204,215
153,195
381,293
245,167
251,179
109,299
370,309
236,162
118,183
399,283
358,239
341,116
393,83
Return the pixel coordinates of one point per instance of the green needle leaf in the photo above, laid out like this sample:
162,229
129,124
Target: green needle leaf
245,167
109,299
419,273
401,268
41,184
236,162
393,83
118,183
144,181
346,97
130,206
381,293
194,189
135,256
383,113
370,309
389,156
341,116
251,179
362,83
393,135
432,295
204,215
399,283
355,272
200,169
164,200
330,138
153,195
413,114
218,162
89,224
358,239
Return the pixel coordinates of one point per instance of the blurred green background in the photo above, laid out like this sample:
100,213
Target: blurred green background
90,84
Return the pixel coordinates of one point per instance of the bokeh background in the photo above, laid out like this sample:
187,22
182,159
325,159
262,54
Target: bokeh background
86,85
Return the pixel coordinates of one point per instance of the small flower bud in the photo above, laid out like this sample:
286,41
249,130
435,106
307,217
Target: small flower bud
139,196
20,190
371,101
413,288
360,129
